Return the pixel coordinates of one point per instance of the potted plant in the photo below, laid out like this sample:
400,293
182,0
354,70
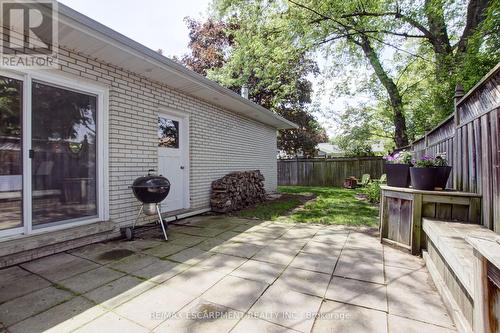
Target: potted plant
397,168
423,174
443,172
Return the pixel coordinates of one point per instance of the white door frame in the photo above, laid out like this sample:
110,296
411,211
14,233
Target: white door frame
68,82
165,111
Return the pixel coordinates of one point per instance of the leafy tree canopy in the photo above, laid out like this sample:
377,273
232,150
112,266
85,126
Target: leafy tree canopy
218,51
416,50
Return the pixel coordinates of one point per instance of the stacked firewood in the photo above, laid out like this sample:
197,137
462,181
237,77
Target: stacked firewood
237,190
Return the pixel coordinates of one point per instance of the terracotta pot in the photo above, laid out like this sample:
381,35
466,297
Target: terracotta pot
424,178
398,175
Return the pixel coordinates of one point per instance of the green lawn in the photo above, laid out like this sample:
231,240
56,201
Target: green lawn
331,206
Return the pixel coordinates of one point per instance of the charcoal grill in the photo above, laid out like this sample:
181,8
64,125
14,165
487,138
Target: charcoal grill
150,190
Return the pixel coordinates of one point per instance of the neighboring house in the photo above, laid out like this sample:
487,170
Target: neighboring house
329,150
113,110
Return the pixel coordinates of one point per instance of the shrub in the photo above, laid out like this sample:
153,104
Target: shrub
372,191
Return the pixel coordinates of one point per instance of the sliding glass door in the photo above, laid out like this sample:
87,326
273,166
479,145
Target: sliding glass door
63,156
11,157
49,168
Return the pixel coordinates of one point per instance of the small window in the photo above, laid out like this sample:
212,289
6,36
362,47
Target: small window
168,133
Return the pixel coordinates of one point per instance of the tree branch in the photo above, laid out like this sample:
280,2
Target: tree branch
476,13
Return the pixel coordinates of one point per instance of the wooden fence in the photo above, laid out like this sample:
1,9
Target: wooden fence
327,172
470,139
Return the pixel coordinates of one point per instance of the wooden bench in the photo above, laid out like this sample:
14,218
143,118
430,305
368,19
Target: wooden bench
450,258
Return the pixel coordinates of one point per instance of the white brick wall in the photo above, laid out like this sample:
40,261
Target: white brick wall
220,141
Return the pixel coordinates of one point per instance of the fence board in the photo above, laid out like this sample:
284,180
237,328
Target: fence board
327,172
472,146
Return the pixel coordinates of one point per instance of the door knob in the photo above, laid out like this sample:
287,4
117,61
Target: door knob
182,167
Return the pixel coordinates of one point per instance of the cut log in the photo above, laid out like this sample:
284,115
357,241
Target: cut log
237,190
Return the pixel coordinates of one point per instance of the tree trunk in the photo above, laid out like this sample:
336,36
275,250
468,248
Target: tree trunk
400,135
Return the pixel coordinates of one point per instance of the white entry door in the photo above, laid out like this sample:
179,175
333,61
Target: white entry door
172,160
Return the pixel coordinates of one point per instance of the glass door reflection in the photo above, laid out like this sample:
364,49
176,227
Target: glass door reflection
64,155
11,166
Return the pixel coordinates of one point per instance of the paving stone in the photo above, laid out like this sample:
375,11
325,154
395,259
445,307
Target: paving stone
361,240
103,253
246,227
397,258
235,293
415,304
15,282
270,232
118,291
322,248
164,250
339,317
417,278
404,325
138,244
333,239
64,317
59,266
253,238
307,282
243,250
297,235
367,294
366,255
91,279
203,232
190,256
315,262
276,254
227,235
112,323
26,306
259,271
134,262
203,317
253,324
181,239
210,244
154,306
364,271
222,263
195,280
287,308
161,271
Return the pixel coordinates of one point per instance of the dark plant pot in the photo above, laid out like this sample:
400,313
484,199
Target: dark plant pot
423,178
398,175
443,173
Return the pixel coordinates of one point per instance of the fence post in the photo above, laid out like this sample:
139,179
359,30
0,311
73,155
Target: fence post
459,93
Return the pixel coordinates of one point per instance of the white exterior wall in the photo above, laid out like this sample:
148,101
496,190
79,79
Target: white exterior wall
220,141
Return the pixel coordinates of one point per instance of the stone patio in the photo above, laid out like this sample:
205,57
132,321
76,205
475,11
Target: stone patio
221,274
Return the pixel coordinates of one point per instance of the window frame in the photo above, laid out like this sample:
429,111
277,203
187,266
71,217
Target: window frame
76,84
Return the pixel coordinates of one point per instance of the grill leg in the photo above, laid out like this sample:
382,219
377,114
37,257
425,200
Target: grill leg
160,220
138,215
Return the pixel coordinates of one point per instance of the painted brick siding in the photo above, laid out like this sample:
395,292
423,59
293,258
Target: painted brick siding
220,141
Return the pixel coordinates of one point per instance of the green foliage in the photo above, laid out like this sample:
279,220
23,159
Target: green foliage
237,52
359,129
402,157
332,206
429,162
372,191
415,51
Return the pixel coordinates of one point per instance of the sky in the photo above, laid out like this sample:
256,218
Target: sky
160,24
156,24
